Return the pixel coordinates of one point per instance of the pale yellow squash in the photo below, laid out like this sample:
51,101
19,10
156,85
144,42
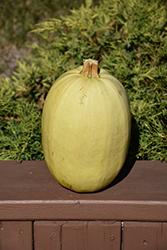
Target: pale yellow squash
86,128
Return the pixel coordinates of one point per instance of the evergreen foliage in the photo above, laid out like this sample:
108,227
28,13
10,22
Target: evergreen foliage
128,38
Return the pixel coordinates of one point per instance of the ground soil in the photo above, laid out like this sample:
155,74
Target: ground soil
9,55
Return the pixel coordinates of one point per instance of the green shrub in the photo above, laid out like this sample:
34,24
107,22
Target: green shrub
128,38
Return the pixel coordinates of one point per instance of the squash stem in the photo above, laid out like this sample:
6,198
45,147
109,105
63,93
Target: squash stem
90,68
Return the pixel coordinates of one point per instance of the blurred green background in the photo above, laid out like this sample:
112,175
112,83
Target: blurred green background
18,18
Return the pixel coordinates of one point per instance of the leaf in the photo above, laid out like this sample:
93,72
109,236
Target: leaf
88,3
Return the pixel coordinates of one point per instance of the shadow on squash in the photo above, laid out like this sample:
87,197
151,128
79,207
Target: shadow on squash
130,160
131,157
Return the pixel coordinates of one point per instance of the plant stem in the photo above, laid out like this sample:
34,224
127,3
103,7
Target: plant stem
90,68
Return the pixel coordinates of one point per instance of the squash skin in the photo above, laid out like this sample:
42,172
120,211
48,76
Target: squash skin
86,125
